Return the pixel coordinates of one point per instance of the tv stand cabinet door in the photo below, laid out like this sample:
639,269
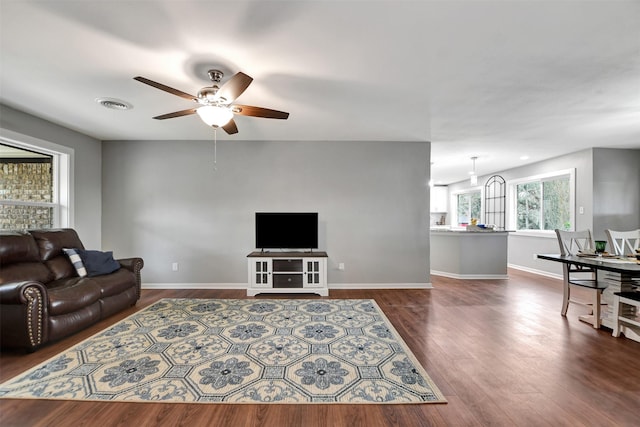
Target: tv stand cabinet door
315,273
260,273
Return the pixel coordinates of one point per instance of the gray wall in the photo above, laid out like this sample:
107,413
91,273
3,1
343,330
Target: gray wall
607,186
164,201
522,248
87,198
616,190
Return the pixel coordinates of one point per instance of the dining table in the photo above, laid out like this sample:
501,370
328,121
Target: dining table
620,273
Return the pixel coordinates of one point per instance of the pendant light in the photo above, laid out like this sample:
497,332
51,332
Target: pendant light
474,177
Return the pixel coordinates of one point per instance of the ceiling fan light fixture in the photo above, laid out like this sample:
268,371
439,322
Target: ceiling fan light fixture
215,103
214,115
208,93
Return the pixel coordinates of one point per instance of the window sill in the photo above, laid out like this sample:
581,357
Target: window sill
547,234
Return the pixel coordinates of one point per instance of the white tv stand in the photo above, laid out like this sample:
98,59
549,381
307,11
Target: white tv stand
287,272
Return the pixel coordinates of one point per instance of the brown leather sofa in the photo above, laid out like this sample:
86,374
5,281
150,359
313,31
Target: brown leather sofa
42,298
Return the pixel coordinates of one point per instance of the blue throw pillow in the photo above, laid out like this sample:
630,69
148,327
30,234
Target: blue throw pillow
98,263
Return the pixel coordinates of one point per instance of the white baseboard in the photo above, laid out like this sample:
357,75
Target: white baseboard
244,286
535,271
427,285
194,286
469,276
380,286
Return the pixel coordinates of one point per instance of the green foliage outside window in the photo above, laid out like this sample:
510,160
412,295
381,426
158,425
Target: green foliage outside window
543,205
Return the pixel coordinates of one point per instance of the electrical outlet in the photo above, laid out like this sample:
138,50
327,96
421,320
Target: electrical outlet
581,210
174,266
341,266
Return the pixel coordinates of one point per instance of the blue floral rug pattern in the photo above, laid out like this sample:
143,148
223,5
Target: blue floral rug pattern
238,351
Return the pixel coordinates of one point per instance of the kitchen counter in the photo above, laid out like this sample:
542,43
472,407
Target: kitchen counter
475,254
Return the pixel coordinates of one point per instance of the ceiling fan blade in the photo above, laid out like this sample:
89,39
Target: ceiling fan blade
234,87
165,88
248,110
176,114
230,127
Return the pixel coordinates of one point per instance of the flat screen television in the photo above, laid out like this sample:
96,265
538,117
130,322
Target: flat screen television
287,230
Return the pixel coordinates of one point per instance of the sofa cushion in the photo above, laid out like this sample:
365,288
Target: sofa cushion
71,294
25,271
113,304
51,242
61,267
98,263
16,246
76,261
114,283
66,324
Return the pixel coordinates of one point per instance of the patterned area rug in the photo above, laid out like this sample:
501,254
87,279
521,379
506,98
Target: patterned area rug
238,351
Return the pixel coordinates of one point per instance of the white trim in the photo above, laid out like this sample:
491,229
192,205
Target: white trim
543,176
473,189
426,285
535,271
65,196
26,203
546,234
469,276
244,286
63,161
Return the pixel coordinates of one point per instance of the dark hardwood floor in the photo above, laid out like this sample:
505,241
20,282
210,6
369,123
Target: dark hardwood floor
498,349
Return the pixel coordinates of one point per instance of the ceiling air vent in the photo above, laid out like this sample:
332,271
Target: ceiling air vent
114,104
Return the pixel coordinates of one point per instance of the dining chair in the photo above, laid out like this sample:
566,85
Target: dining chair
572,242
623,242
620,316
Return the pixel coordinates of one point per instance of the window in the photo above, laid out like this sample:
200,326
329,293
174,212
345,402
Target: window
26,189
468,205
543,202
35,190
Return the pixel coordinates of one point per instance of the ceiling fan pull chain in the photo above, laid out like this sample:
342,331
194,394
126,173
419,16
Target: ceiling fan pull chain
215,149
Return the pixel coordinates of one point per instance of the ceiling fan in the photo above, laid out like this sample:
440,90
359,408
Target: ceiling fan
215,102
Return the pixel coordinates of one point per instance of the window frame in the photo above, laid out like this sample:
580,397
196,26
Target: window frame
453,202
62,170
512,202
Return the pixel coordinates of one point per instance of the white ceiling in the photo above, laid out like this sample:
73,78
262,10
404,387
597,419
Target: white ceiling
493,79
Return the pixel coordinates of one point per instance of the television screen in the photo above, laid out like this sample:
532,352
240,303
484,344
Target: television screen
294,230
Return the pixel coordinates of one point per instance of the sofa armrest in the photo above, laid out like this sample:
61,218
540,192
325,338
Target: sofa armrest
23,313
134,265
20,292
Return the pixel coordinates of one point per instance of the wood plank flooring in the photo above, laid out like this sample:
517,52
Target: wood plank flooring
498,349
